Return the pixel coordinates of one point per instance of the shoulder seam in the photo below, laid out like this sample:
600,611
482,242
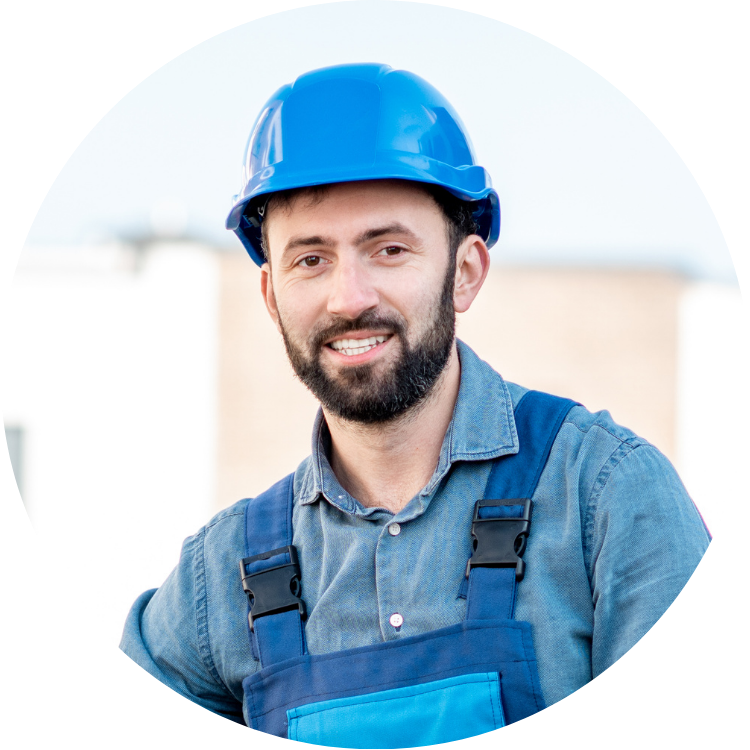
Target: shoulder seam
624,449
217,521
634,441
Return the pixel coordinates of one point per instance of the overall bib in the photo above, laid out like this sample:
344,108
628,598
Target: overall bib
440,686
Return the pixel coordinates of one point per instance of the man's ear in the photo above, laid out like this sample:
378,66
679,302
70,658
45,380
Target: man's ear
472,265
266,289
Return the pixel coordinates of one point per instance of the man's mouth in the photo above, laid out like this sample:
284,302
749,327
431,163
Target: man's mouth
352,347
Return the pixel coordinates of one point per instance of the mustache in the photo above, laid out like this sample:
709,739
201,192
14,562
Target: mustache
368,319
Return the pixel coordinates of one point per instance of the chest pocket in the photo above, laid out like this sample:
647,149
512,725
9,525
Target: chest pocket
427,714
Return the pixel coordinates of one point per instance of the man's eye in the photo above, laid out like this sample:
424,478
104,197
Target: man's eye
310,261
392,250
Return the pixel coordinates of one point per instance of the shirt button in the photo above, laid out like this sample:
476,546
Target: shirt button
396,620
394,529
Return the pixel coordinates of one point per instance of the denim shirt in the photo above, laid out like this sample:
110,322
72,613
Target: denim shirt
614,538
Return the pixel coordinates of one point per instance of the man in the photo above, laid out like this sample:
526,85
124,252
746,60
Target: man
401,593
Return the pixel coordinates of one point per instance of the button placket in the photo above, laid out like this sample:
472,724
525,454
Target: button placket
389,567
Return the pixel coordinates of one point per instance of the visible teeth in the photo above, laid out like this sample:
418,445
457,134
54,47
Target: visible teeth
351,347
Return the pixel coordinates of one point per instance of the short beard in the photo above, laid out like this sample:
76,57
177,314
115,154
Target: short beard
358,395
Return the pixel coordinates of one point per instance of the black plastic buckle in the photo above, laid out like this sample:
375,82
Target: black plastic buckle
275,589
500,542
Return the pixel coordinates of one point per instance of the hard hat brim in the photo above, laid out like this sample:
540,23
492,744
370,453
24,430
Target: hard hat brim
469,183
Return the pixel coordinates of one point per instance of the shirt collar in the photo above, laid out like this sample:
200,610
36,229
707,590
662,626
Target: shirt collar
482,428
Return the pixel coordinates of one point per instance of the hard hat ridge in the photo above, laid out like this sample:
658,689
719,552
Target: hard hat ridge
358,122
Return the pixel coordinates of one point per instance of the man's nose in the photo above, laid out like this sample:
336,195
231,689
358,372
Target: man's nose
352,292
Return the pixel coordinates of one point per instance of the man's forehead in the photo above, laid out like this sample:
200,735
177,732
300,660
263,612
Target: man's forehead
361,210
365,191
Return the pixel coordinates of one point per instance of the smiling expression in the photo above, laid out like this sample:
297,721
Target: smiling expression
360,284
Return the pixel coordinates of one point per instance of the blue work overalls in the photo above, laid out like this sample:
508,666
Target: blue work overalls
440,686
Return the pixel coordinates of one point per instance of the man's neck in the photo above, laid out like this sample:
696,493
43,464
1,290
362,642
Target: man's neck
385,465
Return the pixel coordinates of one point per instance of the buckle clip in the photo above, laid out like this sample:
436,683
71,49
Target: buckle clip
500,542
275,589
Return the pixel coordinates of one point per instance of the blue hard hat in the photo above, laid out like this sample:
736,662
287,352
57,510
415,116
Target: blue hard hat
358,122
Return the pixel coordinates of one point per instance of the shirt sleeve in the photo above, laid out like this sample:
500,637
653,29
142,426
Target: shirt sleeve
645,538
166,634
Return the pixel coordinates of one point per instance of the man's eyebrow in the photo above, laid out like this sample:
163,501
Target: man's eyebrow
373,234
314,240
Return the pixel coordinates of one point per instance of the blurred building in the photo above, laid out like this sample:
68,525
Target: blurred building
608,339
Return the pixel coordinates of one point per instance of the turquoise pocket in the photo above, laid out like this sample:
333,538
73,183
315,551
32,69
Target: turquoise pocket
426,714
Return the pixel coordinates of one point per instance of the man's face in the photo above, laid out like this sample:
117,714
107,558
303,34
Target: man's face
360,284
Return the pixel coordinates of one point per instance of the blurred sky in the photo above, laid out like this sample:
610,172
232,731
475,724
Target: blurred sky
583,176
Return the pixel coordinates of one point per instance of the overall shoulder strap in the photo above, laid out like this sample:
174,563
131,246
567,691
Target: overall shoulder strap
538,418
502,519
271,577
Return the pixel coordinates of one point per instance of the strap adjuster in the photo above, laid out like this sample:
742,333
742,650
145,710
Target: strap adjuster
500,542
275,589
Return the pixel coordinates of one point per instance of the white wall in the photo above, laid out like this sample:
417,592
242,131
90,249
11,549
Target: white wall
110,369
713,443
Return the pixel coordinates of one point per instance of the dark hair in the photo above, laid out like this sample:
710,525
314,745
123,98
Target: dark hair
459,214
